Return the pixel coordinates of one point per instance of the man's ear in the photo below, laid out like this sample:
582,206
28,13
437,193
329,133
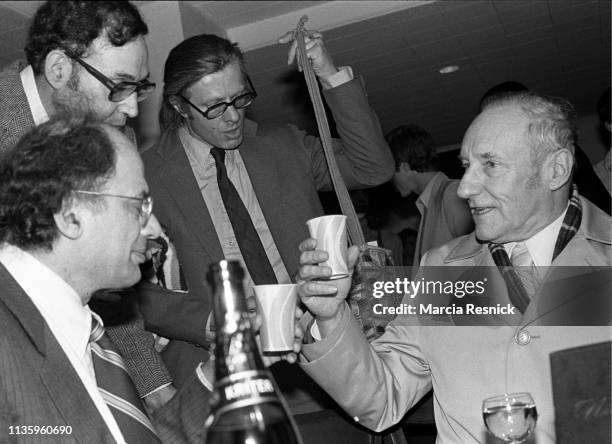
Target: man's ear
561,164
69,220
178,107
58,69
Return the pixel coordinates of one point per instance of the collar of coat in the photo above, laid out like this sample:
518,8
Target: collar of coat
595,227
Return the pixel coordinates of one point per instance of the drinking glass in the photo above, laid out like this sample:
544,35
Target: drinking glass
510,417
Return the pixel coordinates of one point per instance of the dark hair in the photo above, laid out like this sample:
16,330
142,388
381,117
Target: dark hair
188,62
603,107
74,25
414,145
40,173
501,89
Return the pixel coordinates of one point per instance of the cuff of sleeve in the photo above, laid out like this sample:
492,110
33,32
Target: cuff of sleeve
344,75
204,379
157,389
311,352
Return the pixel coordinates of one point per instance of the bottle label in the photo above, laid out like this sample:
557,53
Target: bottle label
254,386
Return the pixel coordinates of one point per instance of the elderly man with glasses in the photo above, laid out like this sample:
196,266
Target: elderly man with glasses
88,58
226,187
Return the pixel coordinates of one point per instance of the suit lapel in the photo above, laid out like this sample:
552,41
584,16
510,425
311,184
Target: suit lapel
261,163
23,309
64,386
71,398
177,176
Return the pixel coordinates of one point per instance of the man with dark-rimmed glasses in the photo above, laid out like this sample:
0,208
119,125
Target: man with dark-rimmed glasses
87,58
226,187
77,65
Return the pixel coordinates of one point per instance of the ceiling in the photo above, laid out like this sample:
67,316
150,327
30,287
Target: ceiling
559,47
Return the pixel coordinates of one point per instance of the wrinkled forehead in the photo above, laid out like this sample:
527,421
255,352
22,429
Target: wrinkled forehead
501,130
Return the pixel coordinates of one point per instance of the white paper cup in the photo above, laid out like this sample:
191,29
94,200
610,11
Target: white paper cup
276,304
330,233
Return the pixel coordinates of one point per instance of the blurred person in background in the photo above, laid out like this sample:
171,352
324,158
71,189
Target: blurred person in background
444,215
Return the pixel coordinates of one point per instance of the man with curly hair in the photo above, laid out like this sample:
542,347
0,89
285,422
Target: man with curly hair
87,58
83,57
75,216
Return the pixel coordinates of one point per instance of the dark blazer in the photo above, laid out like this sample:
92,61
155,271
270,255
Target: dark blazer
287,168
15,120
39,386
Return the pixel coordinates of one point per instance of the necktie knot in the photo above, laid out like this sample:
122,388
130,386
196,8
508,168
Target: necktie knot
97,328
218,154
520,256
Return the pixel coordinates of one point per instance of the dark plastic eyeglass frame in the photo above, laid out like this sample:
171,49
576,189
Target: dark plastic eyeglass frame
119,91
146,203
223,105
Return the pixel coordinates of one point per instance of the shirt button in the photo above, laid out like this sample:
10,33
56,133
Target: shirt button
522,337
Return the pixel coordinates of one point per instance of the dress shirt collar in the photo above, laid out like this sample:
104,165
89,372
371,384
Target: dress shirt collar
200,150
31,91
541,245
425,196
59,304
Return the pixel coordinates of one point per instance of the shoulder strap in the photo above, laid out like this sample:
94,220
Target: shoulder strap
352,222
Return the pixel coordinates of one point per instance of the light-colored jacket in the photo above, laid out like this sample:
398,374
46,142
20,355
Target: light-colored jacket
378,383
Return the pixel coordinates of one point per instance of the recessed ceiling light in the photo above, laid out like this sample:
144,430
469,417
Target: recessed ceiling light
449,69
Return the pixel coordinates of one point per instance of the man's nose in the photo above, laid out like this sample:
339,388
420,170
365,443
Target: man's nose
129,105
152,229
231,114
469,185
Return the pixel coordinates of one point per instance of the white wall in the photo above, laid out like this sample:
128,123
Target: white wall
169,22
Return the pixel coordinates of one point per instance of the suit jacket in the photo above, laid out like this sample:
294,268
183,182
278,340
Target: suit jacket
16,120
463,364
15,115
287,168
445,217
39,386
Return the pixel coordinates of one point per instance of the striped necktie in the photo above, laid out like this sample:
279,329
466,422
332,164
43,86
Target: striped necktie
117,388
524,268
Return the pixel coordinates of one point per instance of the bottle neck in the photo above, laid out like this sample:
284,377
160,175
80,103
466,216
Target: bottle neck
236,350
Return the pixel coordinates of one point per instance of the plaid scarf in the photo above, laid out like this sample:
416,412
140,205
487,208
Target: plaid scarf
516,290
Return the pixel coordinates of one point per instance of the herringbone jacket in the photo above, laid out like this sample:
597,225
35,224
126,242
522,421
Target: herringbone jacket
147,369
15,115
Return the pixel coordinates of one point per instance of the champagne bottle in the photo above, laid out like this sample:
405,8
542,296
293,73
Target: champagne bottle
246,406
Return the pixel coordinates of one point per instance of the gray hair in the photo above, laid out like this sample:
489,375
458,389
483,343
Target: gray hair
553,120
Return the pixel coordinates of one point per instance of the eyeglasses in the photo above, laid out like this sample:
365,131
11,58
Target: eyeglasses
218,109
119,91
146,203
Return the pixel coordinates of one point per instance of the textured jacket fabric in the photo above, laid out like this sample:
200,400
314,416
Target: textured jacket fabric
16,120
15,115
